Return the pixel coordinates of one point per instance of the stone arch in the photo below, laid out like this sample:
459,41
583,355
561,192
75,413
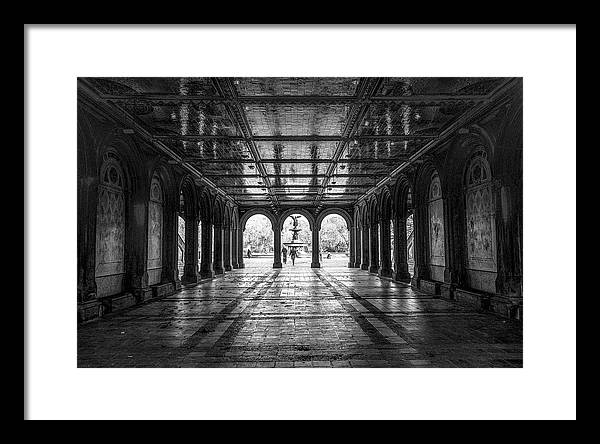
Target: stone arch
437,249
338,211
188,203
458,155
227,216
373,210
235,220
357,218
111,226
364,215
423,182
248,214
156,230
205,205
289,212
402,197
218,212
480,223
385,204
169,188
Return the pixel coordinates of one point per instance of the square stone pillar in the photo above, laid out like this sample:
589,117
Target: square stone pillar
315,249
241,252
357,246
365,248
401,273
235,248
374,248
227,249
190,267
206,270
218,250
351,246
385,270
277,249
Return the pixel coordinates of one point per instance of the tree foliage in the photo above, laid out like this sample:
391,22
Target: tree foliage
258,235
334,234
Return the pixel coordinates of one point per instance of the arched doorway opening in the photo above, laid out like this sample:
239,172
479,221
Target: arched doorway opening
334,241
258,241
304,236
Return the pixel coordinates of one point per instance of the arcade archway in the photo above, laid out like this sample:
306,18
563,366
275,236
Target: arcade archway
258,243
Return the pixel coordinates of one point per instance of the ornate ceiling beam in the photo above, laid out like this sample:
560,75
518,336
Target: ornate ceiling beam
193,159
366,89
299,176
124,119
464,119
283,187
157,99
307,138
226,88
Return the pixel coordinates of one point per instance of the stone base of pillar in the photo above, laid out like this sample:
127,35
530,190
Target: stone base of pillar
414,282
160,290
373,269
401,277
219,270
189,280
447,291
351,265
206,274
277,265
88,310
315,265
142,294
364,267
385,272
177,285
356,265
235,266
242,265
228,268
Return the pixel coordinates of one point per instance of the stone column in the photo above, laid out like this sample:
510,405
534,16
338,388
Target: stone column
400,274
357,247
88,306
227,249
234,248
206,270
385,269
136,260
509,249
420,245
190,267
170,271
240,241
218,250
351,246
315,248
277,249
365,248
374,248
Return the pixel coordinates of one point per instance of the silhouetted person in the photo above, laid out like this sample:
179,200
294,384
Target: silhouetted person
293,256
249,253
284,253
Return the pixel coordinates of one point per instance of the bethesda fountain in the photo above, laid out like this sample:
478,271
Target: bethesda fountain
295,244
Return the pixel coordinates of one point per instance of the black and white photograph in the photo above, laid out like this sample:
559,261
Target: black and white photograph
300,222
258,229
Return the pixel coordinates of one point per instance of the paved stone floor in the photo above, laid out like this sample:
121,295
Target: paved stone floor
299,317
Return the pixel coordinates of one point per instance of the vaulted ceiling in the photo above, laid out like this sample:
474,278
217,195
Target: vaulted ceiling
280,142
